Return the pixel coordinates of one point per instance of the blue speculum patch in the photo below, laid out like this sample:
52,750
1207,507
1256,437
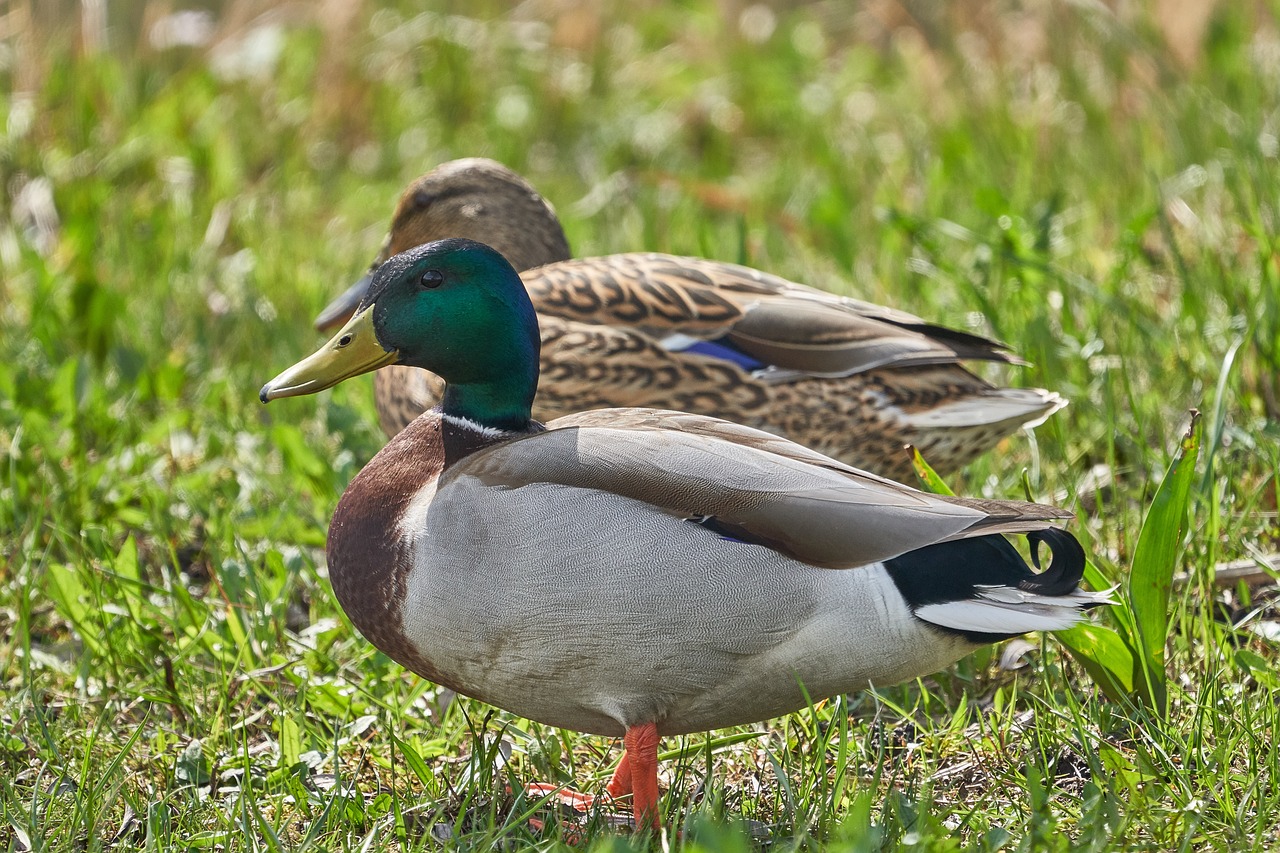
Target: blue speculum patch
724,350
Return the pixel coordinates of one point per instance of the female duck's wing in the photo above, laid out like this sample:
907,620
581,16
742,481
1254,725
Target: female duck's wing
786,328
746,484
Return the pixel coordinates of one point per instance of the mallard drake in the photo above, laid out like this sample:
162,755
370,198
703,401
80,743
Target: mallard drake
641,572
847,378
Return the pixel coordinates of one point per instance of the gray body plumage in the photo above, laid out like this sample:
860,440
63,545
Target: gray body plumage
630,614
566,576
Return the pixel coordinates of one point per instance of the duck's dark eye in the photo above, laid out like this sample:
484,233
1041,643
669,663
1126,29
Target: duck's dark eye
344,340
431,278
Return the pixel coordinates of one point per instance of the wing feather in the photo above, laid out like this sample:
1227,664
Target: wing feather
779,494
796,329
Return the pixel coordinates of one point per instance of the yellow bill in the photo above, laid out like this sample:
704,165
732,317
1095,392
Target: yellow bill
352,351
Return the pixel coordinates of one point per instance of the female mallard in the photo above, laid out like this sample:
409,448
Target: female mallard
846,378
640,572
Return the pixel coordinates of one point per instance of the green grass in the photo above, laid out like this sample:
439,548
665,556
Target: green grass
176,669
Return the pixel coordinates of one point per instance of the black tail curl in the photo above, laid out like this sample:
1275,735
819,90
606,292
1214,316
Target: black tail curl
1064,572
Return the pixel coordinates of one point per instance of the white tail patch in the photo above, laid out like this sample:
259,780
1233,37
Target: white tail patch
1005,405
1008,610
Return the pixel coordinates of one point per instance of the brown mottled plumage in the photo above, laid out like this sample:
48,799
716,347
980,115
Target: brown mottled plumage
848,378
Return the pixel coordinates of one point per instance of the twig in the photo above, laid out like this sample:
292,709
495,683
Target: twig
1254,572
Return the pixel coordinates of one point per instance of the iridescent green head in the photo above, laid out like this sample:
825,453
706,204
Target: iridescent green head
454,307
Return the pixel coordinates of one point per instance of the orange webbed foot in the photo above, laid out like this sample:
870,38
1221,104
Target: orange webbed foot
636,776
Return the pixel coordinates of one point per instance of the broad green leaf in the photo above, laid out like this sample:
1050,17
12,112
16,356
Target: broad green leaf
1104,655
1259,667
298,455
239,636
1121,611
62,389
929,479
1155,559
290,741
192,766
70,599
126,566
415,762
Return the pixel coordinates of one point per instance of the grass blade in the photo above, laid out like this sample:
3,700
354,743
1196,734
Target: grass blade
1154,561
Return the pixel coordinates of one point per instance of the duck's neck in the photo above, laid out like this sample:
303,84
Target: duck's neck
504,404
491,377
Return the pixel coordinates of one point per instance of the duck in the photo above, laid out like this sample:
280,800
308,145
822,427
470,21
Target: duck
634,572
847,378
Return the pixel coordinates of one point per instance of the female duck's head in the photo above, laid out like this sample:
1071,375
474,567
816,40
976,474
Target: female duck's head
454,307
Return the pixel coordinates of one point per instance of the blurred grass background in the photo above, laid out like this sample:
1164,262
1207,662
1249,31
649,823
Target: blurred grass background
185,185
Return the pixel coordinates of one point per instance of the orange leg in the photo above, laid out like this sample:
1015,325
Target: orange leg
620,784
639,766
